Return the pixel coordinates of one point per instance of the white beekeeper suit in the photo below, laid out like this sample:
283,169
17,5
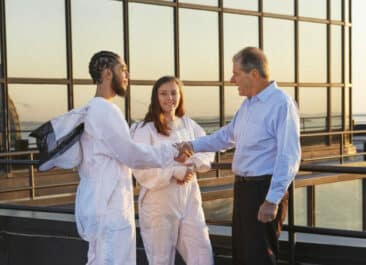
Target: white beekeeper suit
104,208
171,215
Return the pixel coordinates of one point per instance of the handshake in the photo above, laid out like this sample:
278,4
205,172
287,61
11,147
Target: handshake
185,151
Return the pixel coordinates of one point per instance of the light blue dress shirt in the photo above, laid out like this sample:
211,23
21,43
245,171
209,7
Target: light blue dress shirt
265,132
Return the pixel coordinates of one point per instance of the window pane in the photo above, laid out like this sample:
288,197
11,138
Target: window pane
198,105
279,6
313,8
219,209
29,107
313,108
84,93
300,207
202,105
201,2
289,91
96,25
199,45
341,194
140,101
152,41
346,10
233,41
336,108
249,5
336,9
280,54
36,45
313,54
232,102
336,54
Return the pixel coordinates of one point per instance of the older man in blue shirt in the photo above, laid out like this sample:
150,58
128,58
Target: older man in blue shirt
265,134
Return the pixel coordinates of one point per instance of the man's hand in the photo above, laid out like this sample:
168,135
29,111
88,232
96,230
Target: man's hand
185,151
187,177
267,212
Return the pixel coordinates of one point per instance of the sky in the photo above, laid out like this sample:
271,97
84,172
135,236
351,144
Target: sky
359,56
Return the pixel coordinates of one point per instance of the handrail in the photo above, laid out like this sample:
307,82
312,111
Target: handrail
19,153
291,227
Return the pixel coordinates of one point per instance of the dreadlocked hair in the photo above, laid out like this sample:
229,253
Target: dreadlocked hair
100,61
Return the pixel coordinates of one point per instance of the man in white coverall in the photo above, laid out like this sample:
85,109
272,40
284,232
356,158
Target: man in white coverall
104,208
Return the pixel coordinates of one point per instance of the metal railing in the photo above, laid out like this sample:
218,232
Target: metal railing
292,228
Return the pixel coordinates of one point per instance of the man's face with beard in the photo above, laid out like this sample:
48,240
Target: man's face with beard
120,78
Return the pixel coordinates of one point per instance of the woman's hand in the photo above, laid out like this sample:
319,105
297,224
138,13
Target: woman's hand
188,176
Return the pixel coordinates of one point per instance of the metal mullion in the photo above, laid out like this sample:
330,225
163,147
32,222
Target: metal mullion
82,82
296,49
337,22
291,203
260,24
221,75
221,65
279,16
308,84
313,20
329,73
70,87
199,7
153,2
350,60
241,12
39,81
310,195
344,68
126,36
201,83
289,84
6,137
176,42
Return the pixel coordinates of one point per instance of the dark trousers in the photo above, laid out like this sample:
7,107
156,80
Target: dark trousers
253,242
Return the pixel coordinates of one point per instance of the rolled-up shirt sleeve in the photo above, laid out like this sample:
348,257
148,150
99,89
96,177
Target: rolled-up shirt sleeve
288,152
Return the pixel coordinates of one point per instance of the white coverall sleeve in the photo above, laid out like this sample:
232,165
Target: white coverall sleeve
201,161
115,135
154,177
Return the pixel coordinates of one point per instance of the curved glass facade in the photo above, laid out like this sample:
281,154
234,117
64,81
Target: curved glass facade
51,44
45,49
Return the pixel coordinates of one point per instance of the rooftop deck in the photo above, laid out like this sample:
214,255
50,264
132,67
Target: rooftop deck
37,223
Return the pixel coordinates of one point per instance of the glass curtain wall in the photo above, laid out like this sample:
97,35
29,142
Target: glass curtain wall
45,48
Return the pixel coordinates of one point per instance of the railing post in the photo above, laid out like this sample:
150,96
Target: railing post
291,230
341,149
310,195
31,175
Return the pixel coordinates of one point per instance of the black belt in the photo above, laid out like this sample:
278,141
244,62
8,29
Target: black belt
244,179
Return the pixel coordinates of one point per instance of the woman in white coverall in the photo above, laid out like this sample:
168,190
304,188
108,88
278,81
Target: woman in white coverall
170,211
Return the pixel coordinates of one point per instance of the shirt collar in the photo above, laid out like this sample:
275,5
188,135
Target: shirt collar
266,92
